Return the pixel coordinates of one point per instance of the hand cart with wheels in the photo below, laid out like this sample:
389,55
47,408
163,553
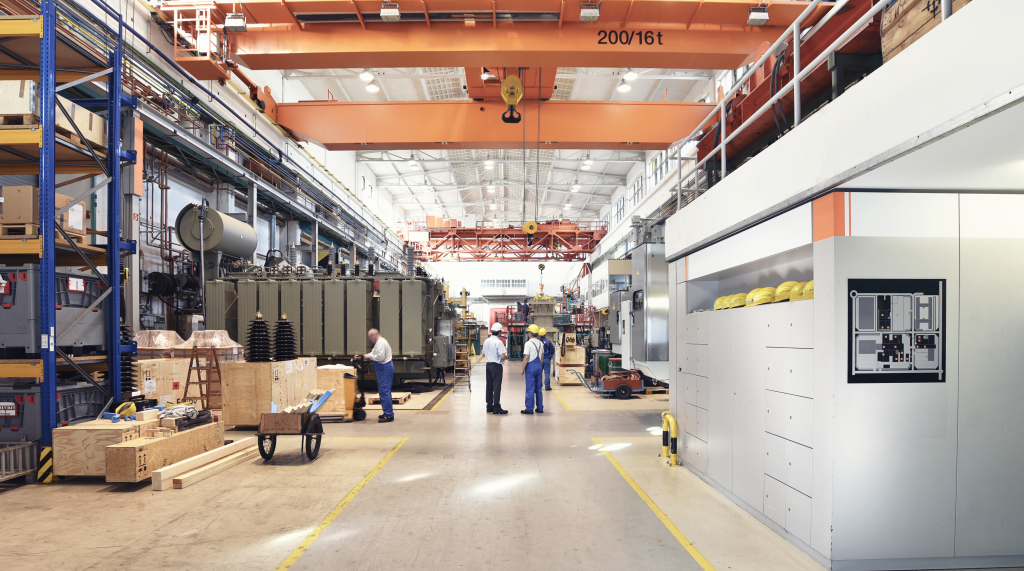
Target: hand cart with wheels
274,424
620,384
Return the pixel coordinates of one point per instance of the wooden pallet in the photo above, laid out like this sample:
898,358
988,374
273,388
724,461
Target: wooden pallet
655,391
396,398
20,231
20,120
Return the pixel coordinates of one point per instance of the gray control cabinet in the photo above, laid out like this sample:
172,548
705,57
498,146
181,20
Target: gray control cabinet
414,319
617,311
390,314
334,317
291,307
312,317
648,303
359,295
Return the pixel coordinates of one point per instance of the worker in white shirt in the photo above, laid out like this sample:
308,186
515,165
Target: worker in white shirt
533,355
495,354
385,369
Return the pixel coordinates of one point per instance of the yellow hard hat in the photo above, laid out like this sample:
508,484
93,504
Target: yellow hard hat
782,292
532,328
126,409
720,303
808,292
749,300
543,332
737,300
797,292
764,295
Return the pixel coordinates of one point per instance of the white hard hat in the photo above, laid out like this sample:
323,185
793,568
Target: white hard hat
496,328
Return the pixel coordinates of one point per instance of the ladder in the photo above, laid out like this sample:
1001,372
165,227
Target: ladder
206,381
463,366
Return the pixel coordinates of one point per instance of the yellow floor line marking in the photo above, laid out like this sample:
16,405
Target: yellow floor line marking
697,556
630,437
438,403
306,543
560,399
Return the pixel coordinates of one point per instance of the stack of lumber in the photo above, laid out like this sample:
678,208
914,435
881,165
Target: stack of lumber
197,468
137,459
248,389
341,381
80,449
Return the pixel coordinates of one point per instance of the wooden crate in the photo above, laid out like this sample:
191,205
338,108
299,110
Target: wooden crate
906,21
571,356
137,459
566,376
396,398
79,450
20,99
341,381
19,212
163,379
249,388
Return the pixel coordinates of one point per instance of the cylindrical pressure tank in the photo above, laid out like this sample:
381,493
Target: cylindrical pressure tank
220,233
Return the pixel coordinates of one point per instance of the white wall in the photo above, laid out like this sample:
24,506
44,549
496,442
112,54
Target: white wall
876,115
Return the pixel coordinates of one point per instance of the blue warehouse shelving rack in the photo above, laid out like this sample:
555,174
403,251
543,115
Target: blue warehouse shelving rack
35,49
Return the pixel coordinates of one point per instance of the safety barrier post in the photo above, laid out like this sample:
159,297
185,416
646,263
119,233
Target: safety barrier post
669,438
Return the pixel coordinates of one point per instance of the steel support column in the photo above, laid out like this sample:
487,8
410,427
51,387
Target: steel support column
47,174
114,220
250,212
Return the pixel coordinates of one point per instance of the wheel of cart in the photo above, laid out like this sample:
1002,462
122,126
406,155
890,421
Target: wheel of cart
274,424
358,410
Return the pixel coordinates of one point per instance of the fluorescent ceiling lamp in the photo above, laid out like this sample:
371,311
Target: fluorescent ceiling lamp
588,161
490,188
575,188
365,75
494,207
585,167
757,16
372,87
630,75
489,163
589,12
623,87
389,12
412,163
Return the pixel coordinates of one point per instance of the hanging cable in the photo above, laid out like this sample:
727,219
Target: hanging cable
536,174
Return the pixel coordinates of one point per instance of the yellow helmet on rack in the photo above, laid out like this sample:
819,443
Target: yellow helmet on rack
737,300
797,291
764,295
749,300
783,291
720,303
808,292
533,328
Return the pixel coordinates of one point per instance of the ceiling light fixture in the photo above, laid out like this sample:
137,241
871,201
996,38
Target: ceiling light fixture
623,87
589,12
585,167
588,160
490,188
372,87
489,164
757,16
630,75
575,187
389,12
494,207
365,75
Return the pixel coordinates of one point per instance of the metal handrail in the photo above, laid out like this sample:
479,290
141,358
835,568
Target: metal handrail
799,72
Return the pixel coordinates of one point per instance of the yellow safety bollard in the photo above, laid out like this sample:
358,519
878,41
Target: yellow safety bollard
669,437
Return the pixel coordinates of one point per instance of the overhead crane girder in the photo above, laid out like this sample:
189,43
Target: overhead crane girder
311,34
477,124
558,240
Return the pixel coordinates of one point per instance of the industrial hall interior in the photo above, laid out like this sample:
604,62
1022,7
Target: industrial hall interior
511,285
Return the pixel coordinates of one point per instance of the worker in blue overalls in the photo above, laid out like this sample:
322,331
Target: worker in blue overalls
533,356
549,354
385,369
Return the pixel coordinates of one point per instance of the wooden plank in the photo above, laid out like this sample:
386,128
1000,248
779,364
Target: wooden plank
163,477
336,378
80,449
136,460
153,414
199,474
249,388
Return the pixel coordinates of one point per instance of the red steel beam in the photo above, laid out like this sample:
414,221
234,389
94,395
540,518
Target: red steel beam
477,124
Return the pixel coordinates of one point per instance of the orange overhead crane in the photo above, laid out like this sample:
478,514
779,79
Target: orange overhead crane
477,124
310,34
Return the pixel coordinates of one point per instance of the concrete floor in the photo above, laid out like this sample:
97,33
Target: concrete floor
442,489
